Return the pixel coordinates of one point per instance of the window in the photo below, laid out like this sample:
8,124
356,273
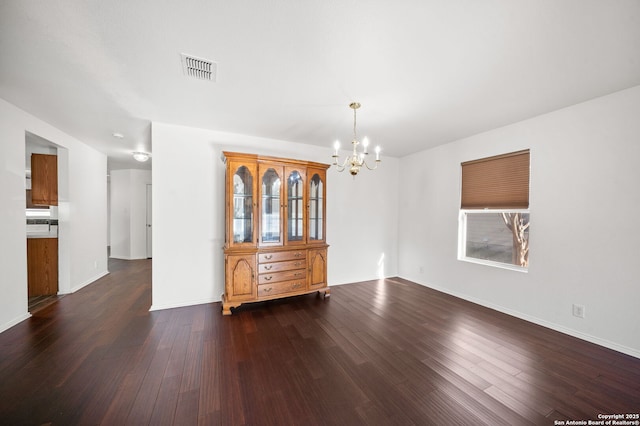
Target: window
494,211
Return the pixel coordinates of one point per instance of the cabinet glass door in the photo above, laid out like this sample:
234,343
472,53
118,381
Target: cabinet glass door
242,206
295,207
270,229
316,206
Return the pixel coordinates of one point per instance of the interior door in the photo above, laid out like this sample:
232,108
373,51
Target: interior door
149,228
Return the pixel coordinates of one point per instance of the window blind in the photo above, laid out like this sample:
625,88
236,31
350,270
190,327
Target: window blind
499,182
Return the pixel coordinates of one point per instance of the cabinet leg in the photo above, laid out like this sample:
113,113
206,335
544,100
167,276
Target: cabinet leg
324,293
226,306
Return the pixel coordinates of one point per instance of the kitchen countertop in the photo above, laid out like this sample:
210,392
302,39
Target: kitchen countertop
42,231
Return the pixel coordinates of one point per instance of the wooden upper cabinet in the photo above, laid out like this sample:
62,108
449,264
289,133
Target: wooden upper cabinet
274,202
295,210
44,179
271,204
30,204
316,205
241,199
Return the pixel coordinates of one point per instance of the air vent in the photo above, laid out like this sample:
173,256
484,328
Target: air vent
203,69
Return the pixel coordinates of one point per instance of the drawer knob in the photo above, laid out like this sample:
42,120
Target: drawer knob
267,290
268,267
268,256
297,274
269,278
298,254
297,263
296,285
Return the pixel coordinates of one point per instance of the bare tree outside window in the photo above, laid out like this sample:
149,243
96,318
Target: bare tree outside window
518,224
498,237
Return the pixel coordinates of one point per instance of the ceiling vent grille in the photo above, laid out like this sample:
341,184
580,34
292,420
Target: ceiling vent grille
203,69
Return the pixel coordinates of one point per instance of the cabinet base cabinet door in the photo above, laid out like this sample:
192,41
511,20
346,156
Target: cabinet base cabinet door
42,266
240,277
317,268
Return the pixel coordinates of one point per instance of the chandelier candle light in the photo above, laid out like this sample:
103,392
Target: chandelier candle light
356,160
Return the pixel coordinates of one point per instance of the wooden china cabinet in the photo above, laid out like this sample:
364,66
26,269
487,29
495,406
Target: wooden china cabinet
275,243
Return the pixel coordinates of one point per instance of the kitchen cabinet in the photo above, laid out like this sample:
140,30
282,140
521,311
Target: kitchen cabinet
44,179
42,266
275,244
30,204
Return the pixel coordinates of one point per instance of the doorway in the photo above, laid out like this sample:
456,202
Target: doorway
45,172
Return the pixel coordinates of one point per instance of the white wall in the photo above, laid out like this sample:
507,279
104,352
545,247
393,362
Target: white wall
128,206
82,211
188,209
584,202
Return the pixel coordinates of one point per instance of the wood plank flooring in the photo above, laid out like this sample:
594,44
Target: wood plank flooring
36,303
385,352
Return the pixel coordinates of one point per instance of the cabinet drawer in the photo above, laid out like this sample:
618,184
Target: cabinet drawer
289,265
280,256
297,274
267,290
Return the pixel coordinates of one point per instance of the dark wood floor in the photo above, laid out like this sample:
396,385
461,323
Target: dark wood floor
382,353
37,303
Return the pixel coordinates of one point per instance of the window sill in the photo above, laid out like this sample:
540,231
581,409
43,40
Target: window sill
494,264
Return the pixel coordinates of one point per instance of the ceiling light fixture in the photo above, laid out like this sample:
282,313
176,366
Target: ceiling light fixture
141,156
356,160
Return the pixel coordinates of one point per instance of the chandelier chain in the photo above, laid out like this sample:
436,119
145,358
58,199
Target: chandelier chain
354,124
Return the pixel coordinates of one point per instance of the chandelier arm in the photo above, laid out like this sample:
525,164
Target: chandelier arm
340,167
371,168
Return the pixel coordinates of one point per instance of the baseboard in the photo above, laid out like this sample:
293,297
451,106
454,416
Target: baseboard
14,321
129,257
538,321
89,281
159,307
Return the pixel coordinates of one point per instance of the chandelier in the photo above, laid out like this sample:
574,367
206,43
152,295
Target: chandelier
357,159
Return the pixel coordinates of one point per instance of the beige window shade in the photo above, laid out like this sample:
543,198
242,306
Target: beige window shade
500,182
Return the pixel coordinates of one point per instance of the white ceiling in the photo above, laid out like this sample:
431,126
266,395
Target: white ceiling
427,72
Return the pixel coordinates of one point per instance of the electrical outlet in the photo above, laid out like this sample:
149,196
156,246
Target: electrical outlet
578,311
